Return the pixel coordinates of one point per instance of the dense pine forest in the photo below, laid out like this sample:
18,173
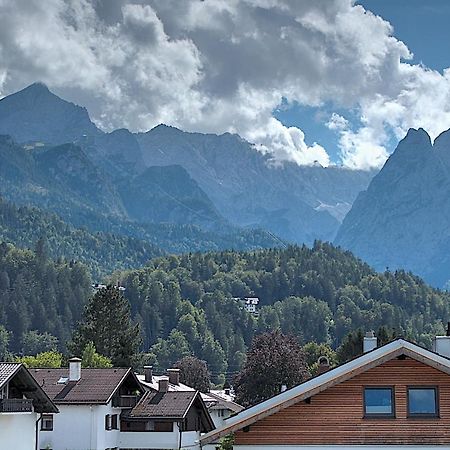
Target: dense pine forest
185,304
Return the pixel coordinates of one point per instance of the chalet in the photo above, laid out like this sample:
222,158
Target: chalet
90,402
220,404
391,397
23,403
250,304
165,419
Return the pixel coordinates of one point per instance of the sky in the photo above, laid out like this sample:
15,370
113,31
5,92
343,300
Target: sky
327,81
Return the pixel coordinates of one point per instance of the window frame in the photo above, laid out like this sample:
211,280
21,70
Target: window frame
435,415
367,415
47,417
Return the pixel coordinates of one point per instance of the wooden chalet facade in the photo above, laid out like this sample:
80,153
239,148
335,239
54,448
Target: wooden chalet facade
395,396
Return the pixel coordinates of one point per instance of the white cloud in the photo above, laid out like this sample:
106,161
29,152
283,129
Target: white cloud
225,65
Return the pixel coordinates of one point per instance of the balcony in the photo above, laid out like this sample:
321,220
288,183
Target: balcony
124,401
16,405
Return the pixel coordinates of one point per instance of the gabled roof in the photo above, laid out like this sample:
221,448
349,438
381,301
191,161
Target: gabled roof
328,379
21,376
212,399
96,386
163,405
7,370
169,406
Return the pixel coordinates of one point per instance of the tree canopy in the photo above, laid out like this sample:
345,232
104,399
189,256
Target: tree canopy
274,360
194,373
107,324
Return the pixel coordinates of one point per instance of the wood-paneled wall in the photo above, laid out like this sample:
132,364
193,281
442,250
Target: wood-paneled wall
336,416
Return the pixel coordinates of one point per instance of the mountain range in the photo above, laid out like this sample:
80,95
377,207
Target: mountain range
403,219
164,175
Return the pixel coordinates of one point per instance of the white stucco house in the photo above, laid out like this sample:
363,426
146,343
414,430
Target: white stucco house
22,405
90,402
103,409
165,419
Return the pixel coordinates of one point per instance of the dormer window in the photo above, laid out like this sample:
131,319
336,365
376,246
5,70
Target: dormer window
379,402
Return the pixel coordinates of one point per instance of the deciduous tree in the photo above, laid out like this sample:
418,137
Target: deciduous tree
273,360
194,373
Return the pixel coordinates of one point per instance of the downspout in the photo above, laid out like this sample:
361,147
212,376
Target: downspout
36,431
181,435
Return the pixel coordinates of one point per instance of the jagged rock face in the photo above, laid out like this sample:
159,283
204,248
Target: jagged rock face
300,204
403,219
35,114
219,178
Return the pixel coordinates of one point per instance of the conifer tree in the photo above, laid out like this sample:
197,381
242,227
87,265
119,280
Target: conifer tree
107,324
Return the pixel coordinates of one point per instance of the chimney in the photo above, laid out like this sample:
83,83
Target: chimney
324,365
74,369
163,384
148,374
370,342
174,376
441,344
227,391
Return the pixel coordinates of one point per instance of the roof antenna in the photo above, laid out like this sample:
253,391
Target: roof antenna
448,329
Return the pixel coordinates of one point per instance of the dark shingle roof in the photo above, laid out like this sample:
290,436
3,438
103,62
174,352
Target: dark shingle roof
168,405
95,385
7,370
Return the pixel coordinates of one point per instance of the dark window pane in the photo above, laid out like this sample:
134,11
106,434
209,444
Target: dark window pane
422,401
378,401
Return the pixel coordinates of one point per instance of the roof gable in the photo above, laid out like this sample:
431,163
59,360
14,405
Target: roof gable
328,379
22,377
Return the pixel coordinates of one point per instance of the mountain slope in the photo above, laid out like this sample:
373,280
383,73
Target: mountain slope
403,219
300,204
35,114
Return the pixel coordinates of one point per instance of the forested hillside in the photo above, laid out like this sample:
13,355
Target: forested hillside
185,303
39,294
101,252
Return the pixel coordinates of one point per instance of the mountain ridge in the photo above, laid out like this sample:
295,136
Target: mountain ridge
403,219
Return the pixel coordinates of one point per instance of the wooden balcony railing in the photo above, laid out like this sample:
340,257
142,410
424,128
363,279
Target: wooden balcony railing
124,401
16,405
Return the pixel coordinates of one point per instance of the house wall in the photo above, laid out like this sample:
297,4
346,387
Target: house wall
218,416
335,416
17,431
80,427
159,440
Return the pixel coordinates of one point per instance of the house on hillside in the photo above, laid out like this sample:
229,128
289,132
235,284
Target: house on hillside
391,397
220,404
90,402
23,406
165,419
250,304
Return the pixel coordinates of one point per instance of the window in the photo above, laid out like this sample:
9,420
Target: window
378,402
107,422
422,402
114,423
47,422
